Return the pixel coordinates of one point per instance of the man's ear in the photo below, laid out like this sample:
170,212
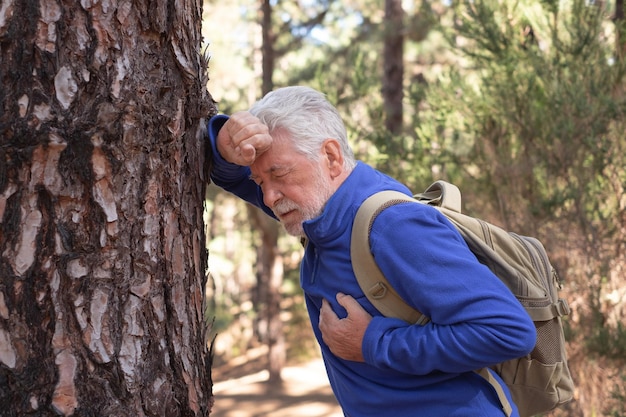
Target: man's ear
331,151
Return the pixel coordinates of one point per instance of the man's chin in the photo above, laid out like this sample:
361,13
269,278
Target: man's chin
293,228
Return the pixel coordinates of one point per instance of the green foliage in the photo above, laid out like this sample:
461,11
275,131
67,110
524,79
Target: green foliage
531,109
617,407
608,341
605,339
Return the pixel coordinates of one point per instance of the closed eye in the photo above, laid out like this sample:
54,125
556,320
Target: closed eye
280,172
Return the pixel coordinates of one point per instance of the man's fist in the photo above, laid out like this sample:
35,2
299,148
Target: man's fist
243,138
344,337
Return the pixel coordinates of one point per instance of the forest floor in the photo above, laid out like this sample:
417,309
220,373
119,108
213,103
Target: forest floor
242,389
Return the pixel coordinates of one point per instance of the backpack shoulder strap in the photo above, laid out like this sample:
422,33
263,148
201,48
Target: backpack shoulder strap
372,281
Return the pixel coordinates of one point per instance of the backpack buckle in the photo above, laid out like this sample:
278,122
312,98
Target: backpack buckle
378,290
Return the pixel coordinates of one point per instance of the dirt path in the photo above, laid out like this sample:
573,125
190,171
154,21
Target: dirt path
304,393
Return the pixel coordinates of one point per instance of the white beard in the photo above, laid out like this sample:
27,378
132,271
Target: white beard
312,209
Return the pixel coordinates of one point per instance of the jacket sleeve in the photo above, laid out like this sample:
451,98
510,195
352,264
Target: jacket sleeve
475,320
231,177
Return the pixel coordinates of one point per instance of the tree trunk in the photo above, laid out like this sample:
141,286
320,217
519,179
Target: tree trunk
267,46
618,20
267,298
393,65
269,265
102,180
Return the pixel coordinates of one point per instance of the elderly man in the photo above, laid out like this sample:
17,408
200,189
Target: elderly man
289,155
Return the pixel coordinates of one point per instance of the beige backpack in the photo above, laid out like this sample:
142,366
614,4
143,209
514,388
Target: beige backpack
538,382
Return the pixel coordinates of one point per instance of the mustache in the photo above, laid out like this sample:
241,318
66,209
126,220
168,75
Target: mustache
284,206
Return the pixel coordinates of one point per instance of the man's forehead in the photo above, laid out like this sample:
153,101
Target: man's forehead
280,156
271,162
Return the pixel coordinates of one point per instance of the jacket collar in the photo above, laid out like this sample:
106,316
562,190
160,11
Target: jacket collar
338,214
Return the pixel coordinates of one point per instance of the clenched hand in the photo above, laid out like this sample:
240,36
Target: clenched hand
243,138
344,336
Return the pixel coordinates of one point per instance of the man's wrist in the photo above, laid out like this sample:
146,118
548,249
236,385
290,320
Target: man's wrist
213,128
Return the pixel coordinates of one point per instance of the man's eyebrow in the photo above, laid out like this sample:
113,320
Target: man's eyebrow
270,170
274,168
279,167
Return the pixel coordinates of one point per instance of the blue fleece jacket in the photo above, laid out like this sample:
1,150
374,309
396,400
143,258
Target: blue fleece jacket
409,370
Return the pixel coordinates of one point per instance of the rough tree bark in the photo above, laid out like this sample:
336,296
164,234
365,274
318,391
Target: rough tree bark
102,180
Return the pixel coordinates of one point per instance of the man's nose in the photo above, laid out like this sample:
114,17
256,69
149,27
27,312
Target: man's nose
271,196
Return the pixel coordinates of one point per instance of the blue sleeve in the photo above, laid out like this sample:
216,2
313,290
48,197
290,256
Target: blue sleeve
231,177
475,320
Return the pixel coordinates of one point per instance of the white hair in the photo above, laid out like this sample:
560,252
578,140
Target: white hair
308,117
